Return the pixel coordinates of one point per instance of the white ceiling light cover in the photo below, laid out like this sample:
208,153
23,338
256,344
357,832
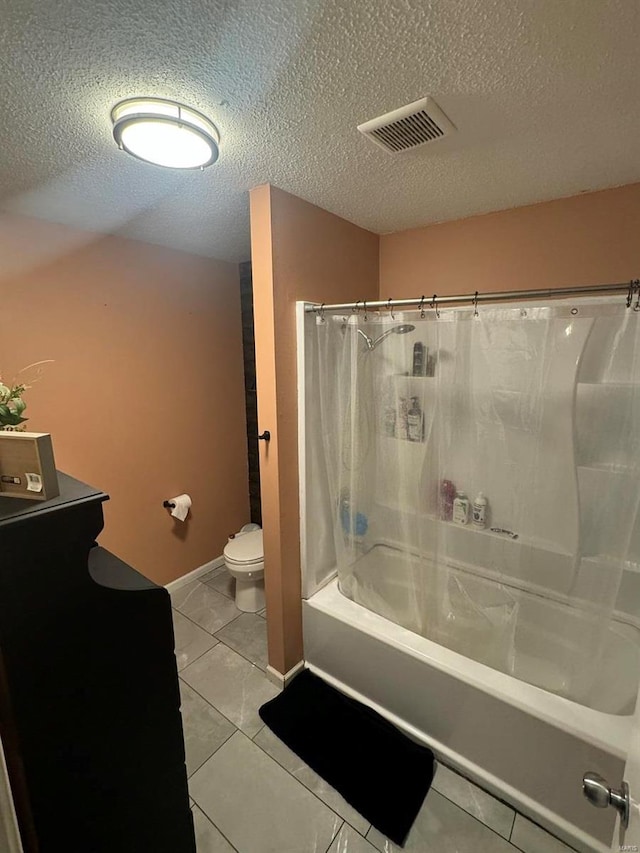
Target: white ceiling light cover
165,133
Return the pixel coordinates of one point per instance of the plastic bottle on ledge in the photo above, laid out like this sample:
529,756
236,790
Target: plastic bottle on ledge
354,526
447,494
415,421
479,513
461,508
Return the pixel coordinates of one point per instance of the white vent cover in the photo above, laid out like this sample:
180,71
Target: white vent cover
416,124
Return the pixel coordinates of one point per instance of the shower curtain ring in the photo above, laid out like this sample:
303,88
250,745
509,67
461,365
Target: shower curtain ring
422,307
355,308
390,308
636,307
475,305
434,305
321,312
365,310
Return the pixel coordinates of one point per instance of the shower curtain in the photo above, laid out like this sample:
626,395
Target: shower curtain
483,474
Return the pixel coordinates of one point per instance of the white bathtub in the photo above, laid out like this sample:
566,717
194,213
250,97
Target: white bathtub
528,631
527,746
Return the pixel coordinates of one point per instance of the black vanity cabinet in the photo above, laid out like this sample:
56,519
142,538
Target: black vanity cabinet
89,701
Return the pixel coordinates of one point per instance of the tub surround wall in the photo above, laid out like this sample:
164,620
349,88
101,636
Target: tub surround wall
145,398
299,252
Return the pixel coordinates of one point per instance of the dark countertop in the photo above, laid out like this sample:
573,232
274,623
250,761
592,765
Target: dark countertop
72,491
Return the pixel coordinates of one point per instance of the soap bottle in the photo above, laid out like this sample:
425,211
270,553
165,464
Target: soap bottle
461,508
447,494
479,512
419,359
414,421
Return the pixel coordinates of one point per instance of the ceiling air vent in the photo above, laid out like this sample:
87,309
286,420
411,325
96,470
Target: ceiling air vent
416,124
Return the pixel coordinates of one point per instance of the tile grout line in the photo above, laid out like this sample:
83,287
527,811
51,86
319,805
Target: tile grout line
218,641
453,770
213,637
197,624
196,584
232,846
335,835
210,756
300,782
491,829
197,658
498,800
217,573
513,825
237,651
475,817
215,709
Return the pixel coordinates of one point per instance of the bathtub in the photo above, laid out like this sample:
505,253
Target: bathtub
527,746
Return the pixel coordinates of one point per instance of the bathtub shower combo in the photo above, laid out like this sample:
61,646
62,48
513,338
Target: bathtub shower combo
470,480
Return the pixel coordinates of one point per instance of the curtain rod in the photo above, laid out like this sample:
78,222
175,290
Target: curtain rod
630,287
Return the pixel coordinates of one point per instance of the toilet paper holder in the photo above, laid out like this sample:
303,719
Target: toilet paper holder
168,504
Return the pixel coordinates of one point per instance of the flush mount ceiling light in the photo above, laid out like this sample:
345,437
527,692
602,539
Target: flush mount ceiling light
165,133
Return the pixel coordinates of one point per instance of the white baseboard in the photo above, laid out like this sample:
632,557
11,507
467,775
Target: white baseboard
281,680
195,574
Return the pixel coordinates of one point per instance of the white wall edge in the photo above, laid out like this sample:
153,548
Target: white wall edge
281,680
195,574
549,820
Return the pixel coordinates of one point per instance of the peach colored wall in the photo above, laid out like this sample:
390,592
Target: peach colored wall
145,399
588,239
299,252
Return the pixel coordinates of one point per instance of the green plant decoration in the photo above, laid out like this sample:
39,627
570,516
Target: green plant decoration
12,405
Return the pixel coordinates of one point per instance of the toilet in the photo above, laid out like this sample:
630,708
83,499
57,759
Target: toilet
244,558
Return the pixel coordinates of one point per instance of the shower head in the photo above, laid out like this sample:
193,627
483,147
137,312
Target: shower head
394,330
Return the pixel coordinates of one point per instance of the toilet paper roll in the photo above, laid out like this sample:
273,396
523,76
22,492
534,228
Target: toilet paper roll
181,506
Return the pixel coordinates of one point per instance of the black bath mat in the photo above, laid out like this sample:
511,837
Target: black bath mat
377,769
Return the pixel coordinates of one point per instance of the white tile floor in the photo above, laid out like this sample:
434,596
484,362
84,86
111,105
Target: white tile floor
253,795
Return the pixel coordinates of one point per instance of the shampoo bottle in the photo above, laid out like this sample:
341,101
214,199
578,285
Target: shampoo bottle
447,495
414,421
480,511
461,508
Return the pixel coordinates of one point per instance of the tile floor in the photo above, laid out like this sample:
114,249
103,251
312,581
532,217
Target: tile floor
251,794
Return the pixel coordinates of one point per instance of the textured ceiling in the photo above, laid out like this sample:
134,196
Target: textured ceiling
544,94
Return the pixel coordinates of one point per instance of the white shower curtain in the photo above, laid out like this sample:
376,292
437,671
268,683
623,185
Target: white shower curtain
533,412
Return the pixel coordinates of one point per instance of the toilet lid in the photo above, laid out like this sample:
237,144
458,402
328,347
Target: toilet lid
246,548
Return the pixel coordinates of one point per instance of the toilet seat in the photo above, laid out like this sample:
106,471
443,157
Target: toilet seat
245,549
243,563
244,559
